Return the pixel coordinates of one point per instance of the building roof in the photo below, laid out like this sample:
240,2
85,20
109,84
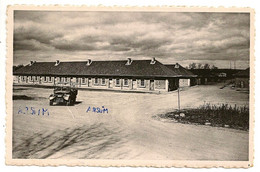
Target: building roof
177,68
137,68
214,72
203,72
243,73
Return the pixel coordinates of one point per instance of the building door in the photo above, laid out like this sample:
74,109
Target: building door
151,84
89,82
134,84
110,83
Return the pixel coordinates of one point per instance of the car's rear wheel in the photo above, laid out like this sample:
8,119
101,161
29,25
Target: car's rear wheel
68,103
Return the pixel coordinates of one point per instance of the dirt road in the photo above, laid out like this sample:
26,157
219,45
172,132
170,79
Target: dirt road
127,131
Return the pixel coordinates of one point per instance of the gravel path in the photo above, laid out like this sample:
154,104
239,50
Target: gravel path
128,130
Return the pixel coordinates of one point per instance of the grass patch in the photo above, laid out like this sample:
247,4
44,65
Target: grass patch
224,115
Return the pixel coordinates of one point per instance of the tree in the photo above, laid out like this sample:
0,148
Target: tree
201,66
192,66
206,66
214,67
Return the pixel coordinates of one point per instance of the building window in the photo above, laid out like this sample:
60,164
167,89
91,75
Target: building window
83,80
68,79
50,79
103,81
30,78
23,78
160,84
36,78
142,83
125,82
117,82
96,81
45,78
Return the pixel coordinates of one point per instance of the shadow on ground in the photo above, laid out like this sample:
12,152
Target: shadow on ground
64,104
19,89
84,142
78,102
24,97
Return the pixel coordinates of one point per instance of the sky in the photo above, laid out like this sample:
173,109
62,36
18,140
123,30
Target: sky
220,39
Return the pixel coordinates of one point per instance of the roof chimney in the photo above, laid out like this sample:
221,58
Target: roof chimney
89,62
32,62
177,66
153,61
57,63
129,61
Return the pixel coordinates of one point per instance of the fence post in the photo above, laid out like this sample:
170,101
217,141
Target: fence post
179,106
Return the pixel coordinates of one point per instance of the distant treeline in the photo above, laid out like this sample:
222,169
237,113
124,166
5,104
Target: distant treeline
201,66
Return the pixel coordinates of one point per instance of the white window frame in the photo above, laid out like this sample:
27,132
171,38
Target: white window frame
126,84
103,80
50,79
118,84
141,83
95,81
45,79
83,80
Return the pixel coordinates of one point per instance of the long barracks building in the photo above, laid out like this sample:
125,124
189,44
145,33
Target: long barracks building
136,75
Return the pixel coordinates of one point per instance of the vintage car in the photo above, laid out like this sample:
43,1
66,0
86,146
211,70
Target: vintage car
63,95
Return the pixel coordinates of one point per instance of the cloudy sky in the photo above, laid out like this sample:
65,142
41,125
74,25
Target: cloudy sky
214,38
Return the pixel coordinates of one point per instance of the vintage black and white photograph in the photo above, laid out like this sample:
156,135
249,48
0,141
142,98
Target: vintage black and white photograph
131,85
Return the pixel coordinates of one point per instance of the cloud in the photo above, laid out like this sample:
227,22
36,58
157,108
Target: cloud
116,35
32,45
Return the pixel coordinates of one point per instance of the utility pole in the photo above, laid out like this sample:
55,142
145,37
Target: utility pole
179,104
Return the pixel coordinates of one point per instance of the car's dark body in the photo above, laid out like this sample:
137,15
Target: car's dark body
63,95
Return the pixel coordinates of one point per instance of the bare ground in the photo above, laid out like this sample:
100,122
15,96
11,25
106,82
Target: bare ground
128,131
